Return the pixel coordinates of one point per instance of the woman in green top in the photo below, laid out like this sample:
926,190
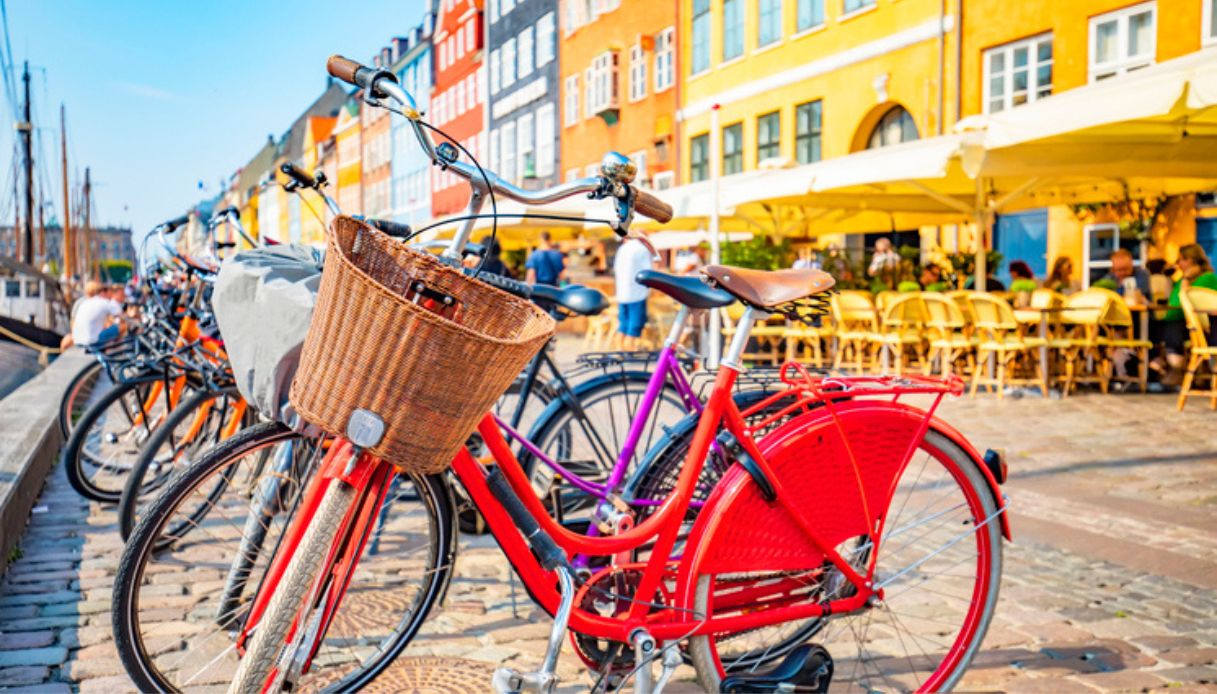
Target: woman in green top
1195,271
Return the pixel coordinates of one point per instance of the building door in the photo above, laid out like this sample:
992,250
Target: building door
1206,235
1022,236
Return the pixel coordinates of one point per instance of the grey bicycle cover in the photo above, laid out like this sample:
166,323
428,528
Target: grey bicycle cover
263,302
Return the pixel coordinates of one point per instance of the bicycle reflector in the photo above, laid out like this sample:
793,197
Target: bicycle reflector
365,428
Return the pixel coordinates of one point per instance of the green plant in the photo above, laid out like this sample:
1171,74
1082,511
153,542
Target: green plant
759,252
964,264
1137,217
117,271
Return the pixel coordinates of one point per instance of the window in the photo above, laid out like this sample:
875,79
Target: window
460,41
525,150
545,39
546,141
602,84
769,22
733,29
1017,73
895,126
1208,25
855,5
638,72
1101,240
1122,41
587,94
665,43
471,38
663,180
733,149
494,71
460,99
591,170
494,150
701,36
508,65
699,158
572,174
571,108
507,6
494,11
769,136
811,14
640,163
12,289
526,52
508,145
808,120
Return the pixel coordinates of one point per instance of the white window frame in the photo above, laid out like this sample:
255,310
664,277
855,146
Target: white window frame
1123,63
1138,256
638,73
1033,65
1208,25
570,113
781,24
545,39
665,59
508,63
547,136
602,92
572,174
663,180
494,71
524,49
587,93
507,143
526,144
494,10
640,163
742,28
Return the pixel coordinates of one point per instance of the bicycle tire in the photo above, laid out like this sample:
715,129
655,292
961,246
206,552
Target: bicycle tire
146,552
133,495
79,386
73,455
300,577
981,504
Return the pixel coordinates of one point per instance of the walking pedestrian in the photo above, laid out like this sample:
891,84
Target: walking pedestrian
545,265
632,258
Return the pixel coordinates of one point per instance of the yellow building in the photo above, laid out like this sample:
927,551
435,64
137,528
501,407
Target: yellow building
767,83
1045,47
348,152
315,216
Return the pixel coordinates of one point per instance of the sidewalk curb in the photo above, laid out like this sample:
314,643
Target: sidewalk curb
29,443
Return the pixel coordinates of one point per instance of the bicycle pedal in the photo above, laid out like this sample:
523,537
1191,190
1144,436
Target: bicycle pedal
808,668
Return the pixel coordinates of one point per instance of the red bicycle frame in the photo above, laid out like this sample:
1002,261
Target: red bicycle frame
372,476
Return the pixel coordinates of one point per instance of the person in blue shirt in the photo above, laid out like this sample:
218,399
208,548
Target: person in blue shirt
545,265
1125,274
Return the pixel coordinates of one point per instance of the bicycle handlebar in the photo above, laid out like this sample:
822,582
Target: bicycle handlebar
300,177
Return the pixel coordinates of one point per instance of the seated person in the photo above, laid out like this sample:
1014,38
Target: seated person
1127,276
931,279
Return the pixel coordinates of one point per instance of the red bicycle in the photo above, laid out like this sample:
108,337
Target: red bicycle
860,541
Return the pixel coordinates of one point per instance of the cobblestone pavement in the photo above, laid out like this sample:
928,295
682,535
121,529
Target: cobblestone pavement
1110,583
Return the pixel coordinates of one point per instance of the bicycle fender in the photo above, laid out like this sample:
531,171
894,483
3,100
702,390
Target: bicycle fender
738,530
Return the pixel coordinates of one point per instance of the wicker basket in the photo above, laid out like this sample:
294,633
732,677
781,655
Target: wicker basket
414,341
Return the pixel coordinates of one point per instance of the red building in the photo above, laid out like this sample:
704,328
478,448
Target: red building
457,99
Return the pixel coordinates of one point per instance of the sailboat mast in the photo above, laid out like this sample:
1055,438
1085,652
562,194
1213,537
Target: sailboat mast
69,248
26,128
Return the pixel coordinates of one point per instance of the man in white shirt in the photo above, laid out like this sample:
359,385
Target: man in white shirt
632,258
93,315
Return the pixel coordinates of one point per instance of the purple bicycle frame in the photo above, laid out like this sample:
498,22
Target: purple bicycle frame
666,366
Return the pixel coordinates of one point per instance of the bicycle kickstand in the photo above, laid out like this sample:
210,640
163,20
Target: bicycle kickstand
544,681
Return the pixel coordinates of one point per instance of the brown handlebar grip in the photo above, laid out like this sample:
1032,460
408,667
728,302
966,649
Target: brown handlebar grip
343,68
650,206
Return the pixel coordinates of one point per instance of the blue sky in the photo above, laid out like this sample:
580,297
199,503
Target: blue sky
163,94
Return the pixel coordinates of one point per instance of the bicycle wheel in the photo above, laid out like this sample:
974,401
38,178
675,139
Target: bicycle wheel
585,430
196,558
939,565
191,428
76,396
107,438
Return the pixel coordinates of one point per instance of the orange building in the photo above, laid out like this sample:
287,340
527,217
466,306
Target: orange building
457,97
618,86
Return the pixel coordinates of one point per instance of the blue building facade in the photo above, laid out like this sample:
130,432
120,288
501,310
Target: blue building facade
411,170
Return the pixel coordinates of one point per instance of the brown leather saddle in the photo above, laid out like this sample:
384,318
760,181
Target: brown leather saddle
767,290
